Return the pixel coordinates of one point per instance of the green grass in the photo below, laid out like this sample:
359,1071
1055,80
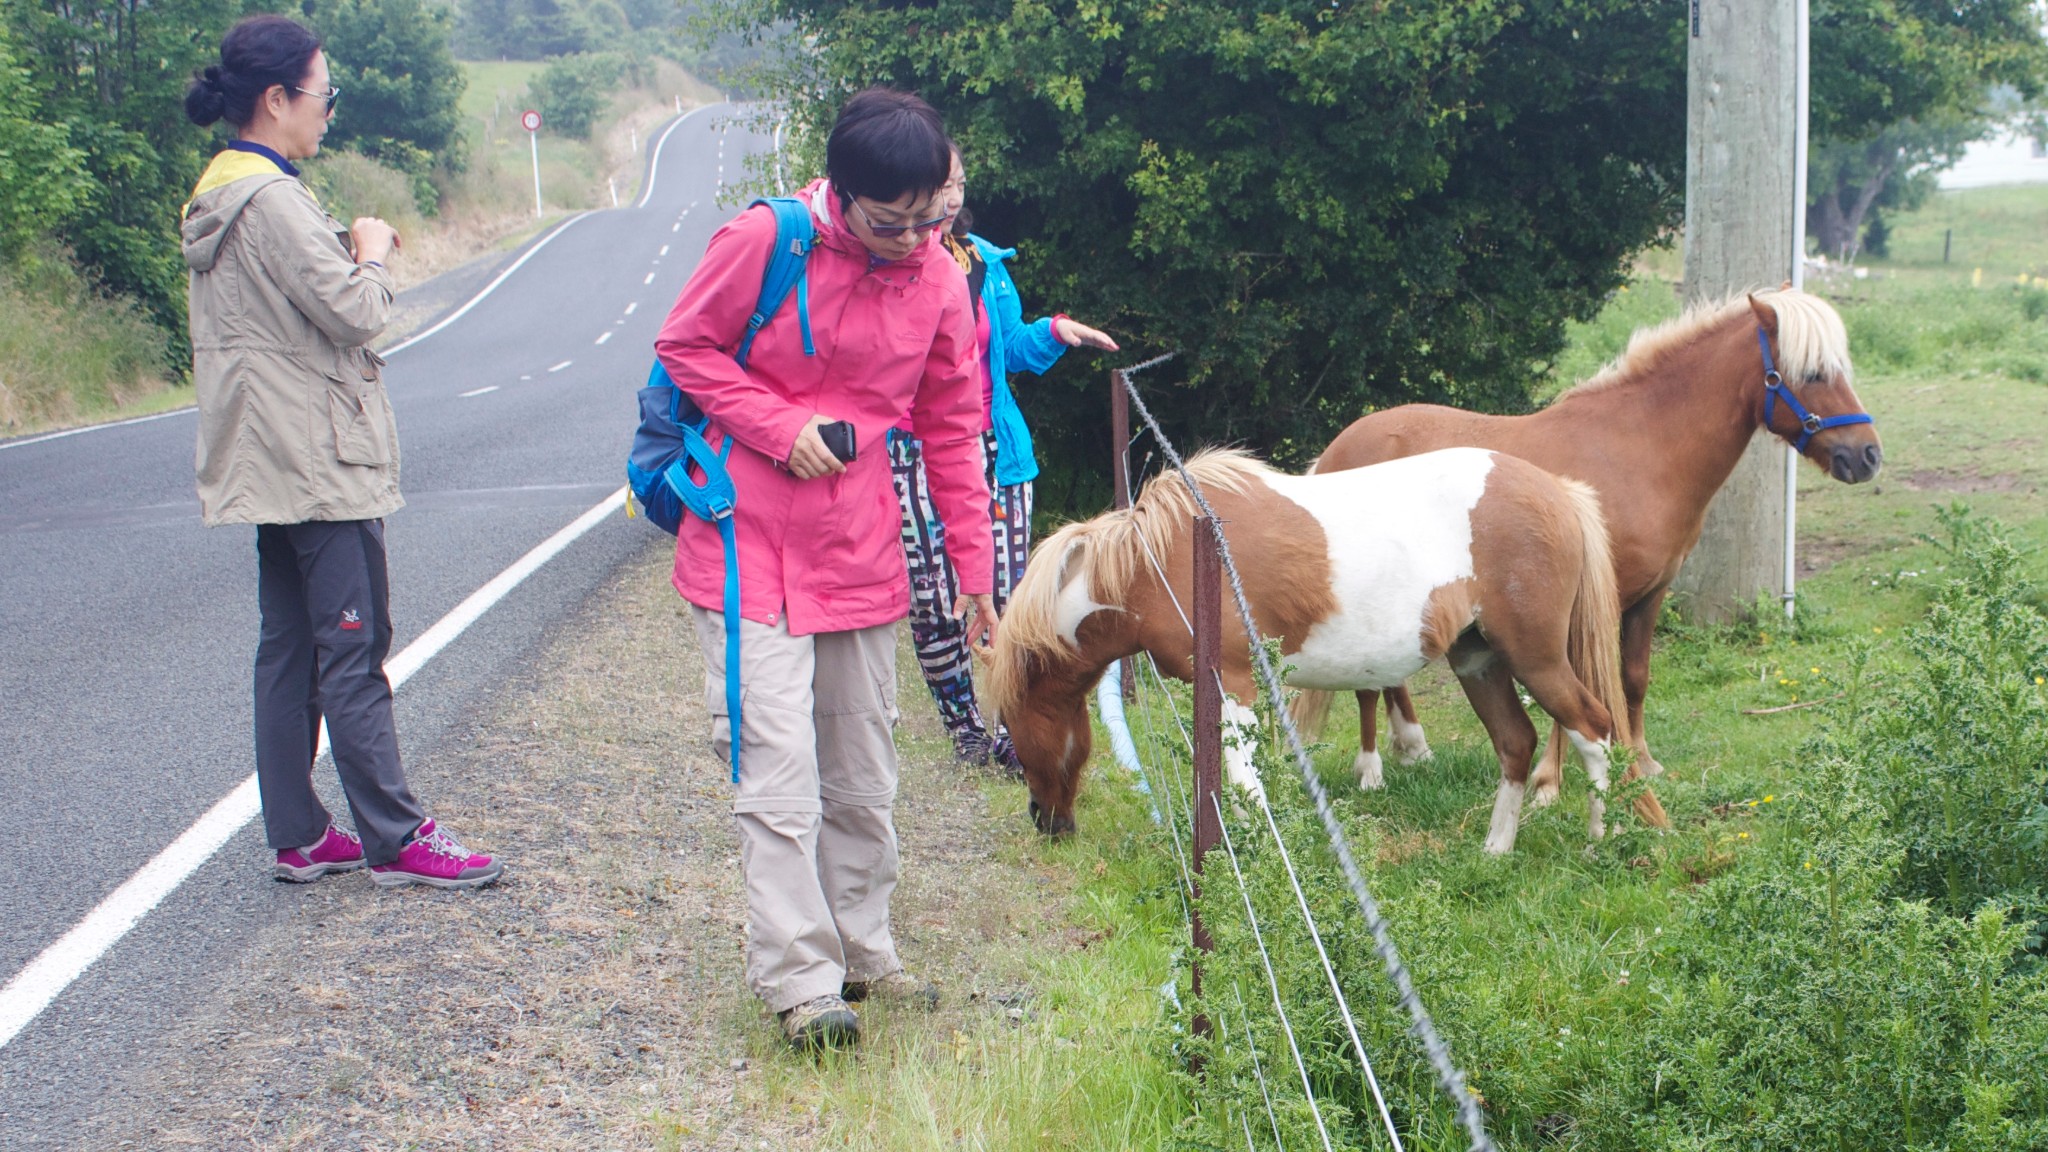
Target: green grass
70,355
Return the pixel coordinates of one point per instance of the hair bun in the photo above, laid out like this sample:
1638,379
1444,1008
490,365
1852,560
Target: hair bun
211,75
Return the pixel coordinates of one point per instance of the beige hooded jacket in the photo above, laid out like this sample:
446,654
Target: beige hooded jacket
294,424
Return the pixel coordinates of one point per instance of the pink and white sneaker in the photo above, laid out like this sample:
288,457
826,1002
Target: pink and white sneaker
432,857
338,851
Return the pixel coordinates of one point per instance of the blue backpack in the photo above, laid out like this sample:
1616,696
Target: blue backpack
671,436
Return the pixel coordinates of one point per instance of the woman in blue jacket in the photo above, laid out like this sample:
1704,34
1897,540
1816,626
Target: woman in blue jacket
1007,344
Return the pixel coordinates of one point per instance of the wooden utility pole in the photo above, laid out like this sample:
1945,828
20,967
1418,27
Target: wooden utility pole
1745,228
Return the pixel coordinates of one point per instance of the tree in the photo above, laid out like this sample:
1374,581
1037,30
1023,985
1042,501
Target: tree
401,85
1899,88
115,73
1324,205
1851,182
42,177
572,90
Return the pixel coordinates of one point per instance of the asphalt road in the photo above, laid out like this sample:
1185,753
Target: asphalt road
127,628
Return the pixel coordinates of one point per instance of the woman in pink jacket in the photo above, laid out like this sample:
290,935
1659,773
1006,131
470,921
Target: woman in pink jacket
822,580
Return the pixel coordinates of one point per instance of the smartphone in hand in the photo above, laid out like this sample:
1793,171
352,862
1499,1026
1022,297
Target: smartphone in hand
838,438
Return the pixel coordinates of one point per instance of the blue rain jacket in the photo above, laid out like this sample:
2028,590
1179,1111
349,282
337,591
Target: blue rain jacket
1013,345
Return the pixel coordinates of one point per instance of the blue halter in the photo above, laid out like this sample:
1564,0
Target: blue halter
1775,390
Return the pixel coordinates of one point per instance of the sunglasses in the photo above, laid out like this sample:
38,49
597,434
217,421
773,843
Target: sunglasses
891,231
331,95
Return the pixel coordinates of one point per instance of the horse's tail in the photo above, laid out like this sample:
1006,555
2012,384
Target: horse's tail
1594,643
1311,709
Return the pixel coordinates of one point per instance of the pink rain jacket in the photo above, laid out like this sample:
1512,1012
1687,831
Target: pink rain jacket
891,341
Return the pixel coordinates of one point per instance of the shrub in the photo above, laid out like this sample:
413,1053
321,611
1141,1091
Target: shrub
1867,984
349,185
572,90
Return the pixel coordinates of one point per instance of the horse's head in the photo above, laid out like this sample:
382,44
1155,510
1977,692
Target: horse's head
1808,400
1051,649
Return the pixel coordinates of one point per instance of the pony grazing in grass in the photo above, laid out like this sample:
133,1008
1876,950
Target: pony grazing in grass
1655,435
1364,576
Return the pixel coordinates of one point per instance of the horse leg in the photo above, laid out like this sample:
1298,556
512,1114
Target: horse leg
1638,627
1240,736
1549,776
1409,745
1367,766
1491,690
1584,721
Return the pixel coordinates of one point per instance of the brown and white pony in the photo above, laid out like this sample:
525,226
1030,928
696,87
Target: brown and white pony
1364,576
1655,435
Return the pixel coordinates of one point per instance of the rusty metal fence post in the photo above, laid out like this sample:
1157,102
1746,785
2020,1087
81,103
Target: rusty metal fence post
1207,817
1120,488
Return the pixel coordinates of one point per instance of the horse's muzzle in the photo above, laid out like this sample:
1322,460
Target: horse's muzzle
1851,466
1049,823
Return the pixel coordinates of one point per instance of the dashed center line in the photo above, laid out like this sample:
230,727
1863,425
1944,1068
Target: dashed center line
676,227
649,280
632,308
664,249
479,391
603,336
562,365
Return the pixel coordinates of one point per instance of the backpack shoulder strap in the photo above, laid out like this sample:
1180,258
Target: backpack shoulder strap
787,262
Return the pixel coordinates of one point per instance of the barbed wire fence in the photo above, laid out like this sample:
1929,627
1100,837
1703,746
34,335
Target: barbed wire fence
1181,803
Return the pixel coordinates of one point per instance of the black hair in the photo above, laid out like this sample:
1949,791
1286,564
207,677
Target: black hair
963,223
886,143
256,54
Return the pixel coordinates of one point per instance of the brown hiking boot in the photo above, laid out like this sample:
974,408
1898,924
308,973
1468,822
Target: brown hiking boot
898,987
821,1022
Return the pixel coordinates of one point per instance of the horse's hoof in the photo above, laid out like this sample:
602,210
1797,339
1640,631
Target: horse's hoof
1649,767
1544,796
1367,768
1498,848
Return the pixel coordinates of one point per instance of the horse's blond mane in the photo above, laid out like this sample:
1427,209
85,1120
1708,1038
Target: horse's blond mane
1811,339
1111,551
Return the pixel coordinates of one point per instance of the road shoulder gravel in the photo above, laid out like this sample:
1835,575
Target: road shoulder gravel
593,999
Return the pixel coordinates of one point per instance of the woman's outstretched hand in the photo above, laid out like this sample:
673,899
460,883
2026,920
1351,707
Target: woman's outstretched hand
1075,334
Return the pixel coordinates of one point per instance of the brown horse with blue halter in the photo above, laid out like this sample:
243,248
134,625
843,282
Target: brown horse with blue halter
1655,435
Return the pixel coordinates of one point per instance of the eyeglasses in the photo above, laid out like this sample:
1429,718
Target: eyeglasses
331,95
891,231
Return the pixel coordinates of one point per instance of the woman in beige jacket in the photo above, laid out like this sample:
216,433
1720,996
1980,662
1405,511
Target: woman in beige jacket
296,437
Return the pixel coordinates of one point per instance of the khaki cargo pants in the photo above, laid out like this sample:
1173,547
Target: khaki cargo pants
815,800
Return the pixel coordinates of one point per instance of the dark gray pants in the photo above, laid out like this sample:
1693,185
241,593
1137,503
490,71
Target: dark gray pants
325,598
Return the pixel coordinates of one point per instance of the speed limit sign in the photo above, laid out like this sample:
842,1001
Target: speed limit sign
530,120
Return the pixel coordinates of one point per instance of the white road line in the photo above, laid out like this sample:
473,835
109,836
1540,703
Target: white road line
478,391
632,308
185,411
649,280
603,336
654,165
528,376
562,365
664,250
676,227
44,978
489,288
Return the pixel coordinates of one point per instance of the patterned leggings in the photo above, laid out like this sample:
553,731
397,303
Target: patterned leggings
939,636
